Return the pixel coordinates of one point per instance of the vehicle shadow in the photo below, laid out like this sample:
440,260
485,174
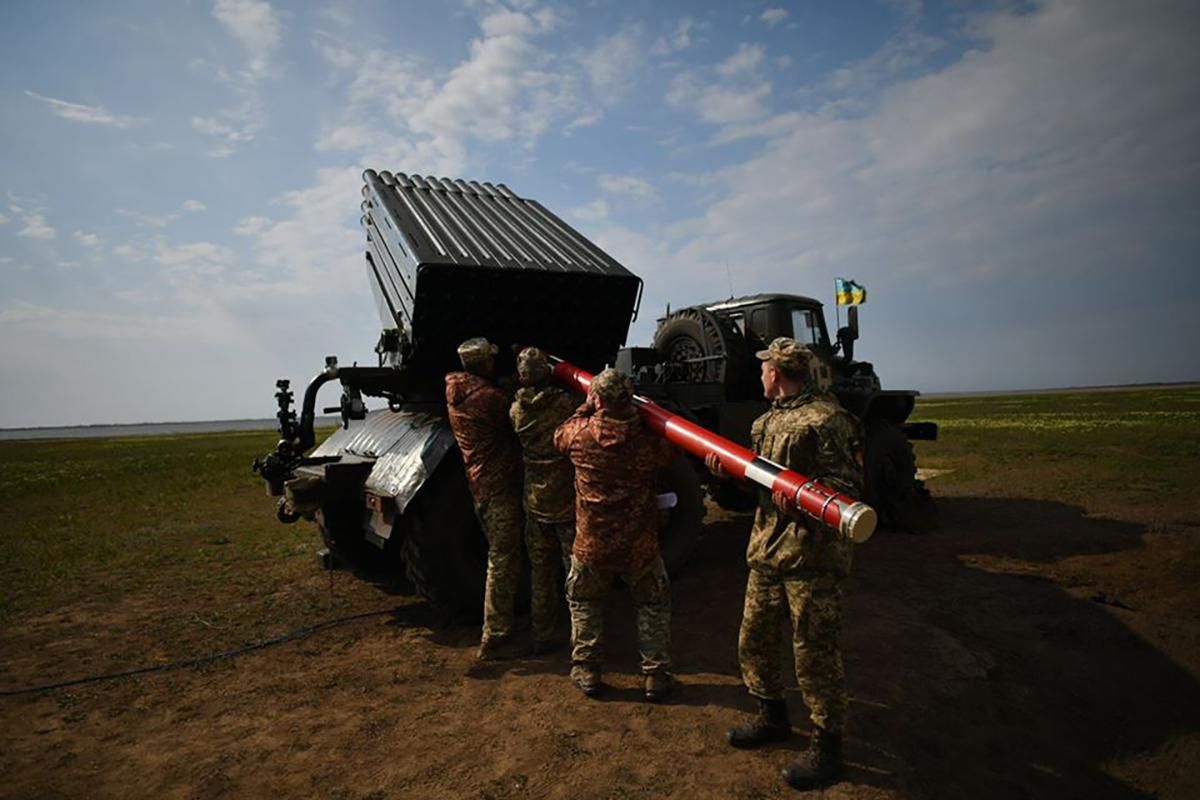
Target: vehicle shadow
973,669
982,673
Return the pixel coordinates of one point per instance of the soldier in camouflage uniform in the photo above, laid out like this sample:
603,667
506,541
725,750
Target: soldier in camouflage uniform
615,458
538,410
796,564
478,411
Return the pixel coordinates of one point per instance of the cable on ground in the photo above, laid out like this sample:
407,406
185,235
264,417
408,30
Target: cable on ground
298,633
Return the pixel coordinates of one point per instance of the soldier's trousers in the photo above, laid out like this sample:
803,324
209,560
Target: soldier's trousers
587,587
501,518
548,545
815,610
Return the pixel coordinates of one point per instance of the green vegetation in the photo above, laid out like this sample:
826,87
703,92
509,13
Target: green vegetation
99,518
1084,447
104,518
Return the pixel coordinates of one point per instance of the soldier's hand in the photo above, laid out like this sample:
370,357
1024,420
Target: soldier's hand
713,462
784,503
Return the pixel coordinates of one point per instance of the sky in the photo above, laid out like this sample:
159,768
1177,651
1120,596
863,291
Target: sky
1017,184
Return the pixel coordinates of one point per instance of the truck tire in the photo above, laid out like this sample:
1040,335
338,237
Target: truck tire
680,526
891,486
443,547
696,333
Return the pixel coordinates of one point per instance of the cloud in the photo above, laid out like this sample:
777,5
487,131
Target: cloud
88,239
586,119
680,39
745,60
1035,159
36,228
773,16
3,219
258,30
719,103
731,92
194,205
402,111
255,26
594,212
91,115
148,220
24,319
129,252
249,226
629,186
613,63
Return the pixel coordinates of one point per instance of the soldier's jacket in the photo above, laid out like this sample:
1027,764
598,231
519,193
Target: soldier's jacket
813,435
478,411
549,479
615,458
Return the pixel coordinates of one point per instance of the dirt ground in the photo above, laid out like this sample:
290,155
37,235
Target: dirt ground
1026,649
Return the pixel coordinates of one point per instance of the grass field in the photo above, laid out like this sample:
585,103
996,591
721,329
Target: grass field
101,517
1044,642
1084,448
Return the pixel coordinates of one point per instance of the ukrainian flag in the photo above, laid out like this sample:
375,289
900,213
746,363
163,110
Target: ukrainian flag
849,293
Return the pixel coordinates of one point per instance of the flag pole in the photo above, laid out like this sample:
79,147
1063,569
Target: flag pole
837,307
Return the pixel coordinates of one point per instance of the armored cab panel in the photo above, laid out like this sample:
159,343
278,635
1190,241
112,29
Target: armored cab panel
451,259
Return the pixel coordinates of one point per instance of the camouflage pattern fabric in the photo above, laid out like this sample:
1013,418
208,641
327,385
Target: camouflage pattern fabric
478,412
587,588
549,479
501,519
613,387
476,351
616,515
548,545
810,433
816,618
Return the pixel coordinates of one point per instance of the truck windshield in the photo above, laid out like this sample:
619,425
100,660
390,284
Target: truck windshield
806,326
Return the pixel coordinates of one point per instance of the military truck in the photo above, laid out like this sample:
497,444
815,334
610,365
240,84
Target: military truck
702,362
450,259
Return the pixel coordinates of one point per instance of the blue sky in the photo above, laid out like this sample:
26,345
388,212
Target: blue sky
1016,184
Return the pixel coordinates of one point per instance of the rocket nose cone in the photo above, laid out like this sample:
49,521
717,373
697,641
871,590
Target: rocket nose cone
858,523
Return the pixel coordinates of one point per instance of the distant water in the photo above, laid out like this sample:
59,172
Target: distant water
146,429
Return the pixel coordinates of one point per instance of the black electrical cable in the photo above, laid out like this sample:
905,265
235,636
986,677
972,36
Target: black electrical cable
298,633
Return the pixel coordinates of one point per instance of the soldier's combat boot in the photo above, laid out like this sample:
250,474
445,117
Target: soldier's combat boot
770,724
495,648
586,678
658,686
818,766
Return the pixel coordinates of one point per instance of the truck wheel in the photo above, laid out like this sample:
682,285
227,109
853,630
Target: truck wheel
444,551
891,485
680,526
694,334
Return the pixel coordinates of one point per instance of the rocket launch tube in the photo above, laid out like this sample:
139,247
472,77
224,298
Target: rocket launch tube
852,518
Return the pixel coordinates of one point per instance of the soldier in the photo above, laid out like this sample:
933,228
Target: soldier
538,410
615,458
478,411
796,565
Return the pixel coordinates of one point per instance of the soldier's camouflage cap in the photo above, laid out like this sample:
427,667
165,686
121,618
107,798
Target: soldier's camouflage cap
532,366
788,354
476,350
613,387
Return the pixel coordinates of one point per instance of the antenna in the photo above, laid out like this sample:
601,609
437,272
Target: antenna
729,275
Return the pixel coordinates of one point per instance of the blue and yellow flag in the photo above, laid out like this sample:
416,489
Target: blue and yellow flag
849,293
